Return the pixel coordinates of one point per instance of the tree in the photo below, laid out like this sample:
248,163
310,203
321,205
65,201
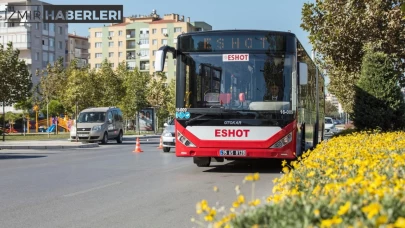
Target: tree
331,110
109,86
159,95
338,31
15,78
135,85
80,88
55,108
171,101
379,102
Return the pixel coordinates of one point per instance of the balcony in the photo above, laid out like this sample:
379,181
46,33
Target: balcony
130,34
131,45
131,55
144,57
144,66
144,46
21,45
17,29
143,35
48,33
27,61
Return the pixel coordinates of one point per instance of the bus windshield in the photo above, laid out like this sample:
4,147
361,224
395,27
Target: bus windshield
246,81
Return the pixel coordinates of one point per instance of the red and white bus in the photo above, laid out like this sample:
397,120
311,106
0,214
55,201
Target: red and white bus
244,94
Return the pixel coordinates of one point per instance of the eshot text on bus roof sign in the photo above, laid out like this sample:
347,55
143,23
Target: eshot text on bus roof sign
61,13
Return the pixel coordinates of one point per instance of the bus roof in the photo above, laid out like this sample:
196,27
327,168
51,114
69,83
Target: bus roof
237,31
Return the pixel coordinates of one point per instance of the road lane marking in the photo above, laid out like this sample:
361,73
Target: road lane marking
92,189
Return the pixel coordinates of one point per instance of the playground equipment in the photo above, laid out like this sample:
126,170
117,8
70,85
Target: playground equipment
63,123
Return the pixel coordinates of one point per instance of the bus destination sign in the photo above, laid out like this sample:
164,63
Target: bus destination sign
233,42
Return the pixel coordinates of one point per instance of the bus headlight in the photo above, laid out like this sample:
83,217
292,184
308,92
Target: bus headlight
282,142
184,140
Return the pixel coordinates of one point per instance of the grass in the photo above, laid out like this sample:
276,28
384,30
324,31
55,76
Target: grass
35,136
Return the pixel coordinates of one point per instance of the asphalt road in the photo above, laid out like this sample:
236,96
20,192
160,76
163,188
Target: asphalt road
110,186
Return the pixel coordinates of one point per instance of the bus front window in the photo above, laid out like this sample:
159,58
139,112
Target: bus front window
262,83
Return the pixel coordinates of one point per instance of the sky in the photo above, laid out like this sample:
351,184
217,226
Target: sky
258,14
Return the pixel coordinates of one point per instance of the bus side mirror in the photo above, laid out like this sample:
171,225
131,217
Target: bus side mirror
303,73
160,60
161,57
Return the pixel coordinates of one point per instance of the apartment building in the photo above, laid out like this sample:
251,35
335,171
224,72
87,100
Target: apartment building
39,43
77,48
137,40
333,100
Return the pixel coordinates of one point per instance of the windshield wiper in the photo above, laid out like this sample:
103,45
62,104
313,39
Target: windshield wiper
195,118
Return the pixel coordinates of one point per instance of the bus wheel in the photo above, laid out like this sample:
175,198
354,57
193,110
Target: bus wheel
202,162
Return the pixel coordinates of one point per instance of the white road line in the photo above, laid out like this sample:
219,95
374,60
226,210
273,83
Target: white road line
91,189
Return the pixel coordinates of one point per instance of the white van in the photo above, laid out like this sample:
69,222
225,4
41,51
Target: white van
329,126
99,124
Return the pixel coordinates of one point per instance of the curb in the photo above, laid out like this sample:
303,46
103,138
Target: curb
89,145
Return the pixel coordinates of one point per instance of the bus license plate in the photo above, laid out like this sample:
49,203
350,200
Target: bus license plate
232,152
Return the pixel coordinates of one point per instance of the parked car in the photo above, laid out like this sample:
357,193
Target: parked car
330,128
99,124
169,136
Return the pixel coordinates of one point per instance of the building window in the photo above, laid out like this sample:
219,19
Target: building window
154,31
98,55
51,57
120,33
154,41
110,54
98,65
60,45
164,30
110,44
120,54
37,26
37,56
51,42
144,52
164,41
60,30
111,64
98,34
98,44
178,29
111,33
119,43
45,27
144,41
131,65
51,27
44,56
153,52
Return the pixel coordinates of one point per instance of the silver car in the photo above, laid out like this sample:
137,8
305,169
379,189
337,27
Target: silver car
168,136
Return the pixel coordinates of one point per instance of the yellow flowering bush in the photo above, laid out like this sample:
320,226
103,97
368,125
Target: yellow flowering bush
356,180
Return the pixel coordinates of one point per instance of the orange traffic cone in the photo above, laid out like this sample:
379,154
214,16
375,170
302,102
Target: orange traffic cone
161,143
138,146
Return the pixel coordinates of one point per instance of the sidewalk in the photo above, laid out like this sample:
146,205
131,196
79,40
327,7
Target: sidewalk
50,144
67,144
